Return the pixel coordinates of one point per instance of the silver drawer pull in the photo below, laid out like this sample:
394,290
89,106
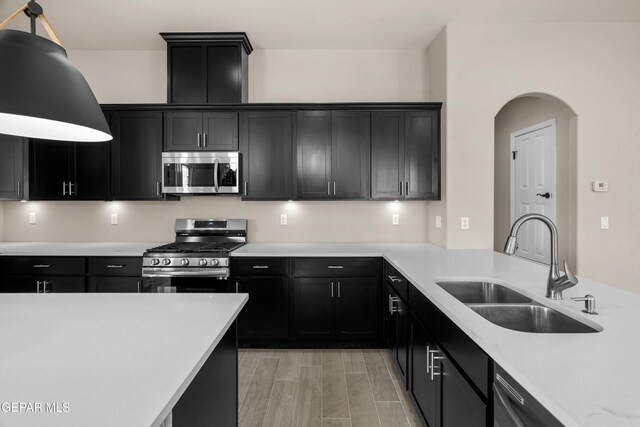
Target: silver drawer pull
41,265
334,267
261,266
115,265
510,389
394,278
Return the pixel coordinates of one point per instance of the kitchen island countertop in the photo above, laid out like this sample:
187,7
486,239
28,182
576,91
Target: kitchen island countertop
587,380
105,359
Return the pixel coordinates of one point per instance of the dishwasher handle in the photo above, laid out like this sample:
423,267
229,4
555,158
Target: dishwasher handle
504,403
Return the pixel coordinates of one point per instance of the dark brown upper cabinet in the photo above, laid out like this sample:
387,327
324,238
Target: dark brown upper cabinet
333,154
12,167
405,155
207,68
201,131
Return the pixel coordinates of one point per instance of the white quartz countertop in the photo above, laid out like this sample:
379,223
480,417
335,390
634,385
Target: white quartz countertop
75,248
112,359
587,380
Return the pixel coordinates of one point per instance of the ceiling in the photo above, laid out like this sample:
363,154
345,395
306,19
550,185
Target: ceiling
300,24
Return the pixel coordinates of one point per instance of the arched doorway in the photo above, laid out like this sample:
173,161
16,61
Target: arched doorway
518,116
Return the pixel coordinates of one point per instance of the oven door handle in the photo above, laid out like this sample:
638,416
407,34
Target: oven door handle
222,273
215,174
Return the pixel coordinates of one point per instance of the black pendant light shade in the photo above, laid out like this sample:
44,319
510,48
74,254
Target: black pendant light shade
42,95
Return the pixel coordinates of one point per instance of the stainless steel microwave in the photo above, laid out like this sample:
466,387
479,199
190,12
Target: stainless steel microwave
201,172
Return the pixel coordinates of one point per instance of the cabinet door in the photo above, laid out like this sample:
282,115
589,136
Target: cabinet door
90,171
224,75
49,170
424,388
422,155
313,149
314,308
187,76
220,131
183,131
387,154
350,154
389,319
461,406
63,284
11,167
44,284
115,284
357,308
21,284
401,348
136,155
266,314
266,146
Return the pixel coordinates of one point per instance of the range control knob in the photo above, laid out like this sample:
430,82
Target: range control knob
166,261
155,261
202,262
184,262
215,262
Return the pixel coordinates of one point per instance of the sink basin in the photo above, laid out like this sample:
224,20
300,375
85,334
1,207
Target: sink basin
531,318
483,293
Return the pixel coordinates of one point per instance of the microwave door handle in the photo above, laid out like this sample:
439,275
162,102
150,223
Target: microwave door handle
215,175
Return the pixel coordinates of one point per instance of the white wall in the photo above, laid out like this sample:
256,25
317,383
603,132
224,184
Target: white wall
594,69
275,76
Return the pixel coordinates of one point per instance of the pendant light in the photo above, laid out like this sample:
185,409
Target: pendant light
42,95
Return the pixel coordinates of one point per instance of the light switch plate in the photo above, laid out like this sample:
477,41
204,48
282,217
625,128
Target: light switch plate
283,219
114,219
600,186
32,218
395,219
464,223
604,222
438,221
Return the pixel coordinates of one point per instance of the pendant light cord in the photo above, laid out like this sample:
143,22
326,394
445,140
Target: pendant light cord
33,17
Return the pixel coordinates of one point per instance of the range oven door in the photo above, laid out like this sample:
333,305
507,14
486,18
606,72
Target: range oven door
200,173
211,281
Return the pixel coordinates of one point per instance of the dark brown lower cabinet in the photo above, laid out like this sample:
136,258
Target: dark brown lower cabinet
115,284
314,309
266,314
461,406
423,385
397,328
43,284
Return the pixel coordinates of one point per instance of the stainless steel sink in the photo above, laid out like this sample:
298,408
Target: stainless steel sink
531,318
483,293
510,309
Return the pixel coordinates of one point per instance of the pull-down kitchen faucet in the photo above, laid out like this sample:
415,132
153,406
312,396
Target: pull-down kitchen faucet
556,283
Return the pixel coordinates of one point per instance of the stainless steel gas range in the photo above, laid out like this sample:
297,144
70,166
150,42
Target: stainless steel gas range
198,261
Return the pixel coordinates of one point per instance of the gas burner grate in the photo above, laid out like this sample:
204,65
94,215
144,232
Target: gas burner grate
183,247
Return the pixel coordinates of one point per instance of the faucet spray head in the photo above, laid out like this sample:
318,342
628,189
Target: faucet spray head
511,245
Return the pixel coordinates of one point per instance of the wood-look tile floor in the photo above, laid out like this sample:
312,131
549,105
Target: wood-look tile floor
323,388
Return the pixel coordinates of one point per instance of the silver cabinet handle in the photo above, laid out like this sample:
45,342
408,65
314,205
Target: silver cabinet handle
245,188
261,266
510,389
406,190
204,136
18,187
394,278
158,188
199,136
38,286
428,358
71,192
64,188
41,265
328,188
401,188
504,402
334,188
331,289
433,367
237,287
334,267
339,286
139,286
115,265
44,286
392,300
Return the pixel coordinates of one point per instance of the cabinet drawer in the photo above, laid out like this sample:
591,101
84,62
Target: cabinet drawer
396,280
45,266
260,266
336,267
115,266
115,284
470,358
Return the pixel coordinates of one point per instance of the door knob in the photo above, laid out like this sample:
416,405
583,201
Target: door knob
545,195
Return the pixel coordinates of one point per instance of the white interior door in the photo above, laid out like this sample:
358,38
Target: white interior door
533,187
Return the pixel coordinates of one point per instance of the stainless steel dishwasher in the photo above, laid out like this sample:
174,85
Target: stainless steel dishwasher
514,407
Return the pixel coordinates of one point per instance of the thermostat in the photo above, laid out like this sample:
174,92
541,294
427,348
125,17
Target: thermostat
600,186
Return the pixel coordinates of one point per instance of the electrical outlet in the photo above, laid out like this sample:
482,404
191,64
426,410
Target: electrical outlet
395,219
604,222
438,221
283,219
114,219
32,218
464,223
